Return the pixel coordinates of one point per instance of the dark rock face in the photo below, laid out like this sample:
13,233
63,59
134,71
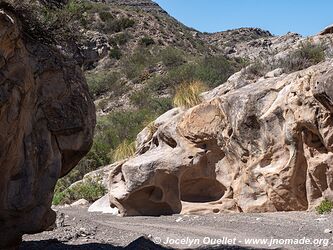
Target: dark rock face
47,120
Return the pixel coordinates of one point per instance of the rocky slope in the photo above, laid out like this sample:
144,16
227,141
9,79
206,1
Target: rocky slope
252,146
134,49
125,47
47,120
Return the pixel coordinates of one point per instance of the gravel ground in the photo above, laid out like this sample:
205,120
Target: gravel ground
82,230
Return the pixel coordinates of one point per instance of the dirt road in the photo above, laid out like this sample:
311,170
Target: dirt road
83,230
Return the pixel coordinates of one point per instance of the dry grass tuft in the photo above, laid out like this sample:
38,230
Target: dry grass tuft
188,94
124,150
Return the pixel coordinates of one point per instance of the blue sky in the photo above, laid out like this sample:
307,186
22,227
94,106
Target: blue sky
306,17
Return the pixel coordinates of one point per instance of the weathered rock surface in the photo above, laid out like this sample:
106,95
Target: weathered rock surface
252,43
46,119
264,146
102,205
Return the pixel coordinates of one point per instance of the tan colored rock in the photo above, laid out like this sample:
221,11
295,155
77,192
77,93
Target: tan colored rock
46,119
80,202
265,146
102,205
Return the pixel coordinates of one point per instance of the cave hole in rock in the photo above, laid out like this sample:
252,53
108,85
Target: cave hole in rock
201,190
148,201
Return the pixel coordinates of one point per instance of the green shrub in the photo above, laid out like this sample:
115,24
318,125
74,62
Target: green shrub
114,128
58,198
115,53
172,57
145,99
305,56
120,39
325,206
103,82
213,70
147,41
105,16
124,150
90,189
97,156
188,95
117,25
134,64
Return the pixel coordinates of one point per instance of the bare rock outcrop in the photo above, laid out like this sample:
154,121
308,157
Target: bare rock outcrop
327,30
47,120
263,147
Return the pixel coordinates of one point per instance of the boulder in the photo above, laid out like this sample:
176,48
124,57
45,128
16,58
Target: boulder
80,202
47,120
102,205
261,147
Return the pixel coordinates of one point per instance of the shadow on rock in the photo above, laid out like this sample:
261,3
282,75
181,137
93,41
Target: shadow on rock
141,243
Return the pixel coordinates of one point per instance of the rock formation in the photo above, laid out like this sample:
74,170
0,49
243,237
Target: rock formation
46,119
263,147
327,30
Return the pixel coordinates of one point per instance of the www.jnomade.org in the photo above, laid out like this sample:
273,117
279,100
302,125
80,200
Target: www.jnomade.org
249,241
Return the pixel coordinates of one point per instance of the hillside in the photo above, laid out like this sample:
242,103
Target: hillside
187,123
134,56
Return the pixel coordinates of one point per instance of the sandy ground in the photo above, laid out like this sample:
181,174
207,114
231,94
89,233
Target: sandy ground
83,230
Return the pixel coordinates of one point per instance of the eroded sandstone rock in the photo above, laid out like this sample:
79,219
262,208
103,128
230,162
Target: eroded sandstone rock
46,126
265,146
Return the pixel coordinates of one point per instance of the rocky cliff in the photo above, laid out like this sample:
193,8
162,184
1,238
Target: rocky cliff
47,120
258,146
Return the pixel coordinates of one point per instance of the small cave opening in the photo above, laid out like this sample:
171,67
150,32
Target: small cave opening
201,190
148,201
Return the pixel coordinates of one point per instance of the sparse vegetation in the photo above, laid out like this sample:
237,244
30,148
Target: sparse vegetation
188,94
124,150
120,39
172,57
115,53
213,70
90,190
305,56
102,82
147,41
105,16
325,206
134,64
117,25
144,99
